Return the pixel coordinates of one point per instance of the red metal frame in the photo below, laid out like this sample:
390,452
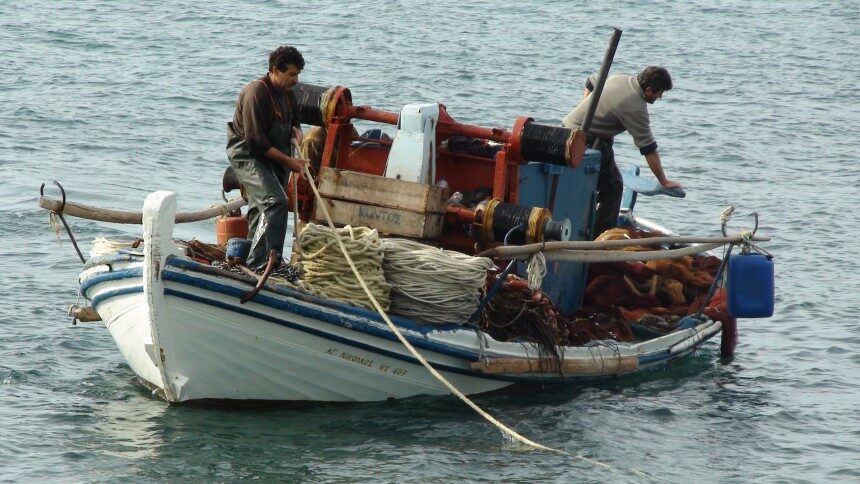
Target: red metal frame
463,172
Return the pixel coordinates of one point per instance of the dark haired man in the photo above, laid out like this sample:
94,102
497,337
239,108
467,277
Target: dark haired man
260,150
623,107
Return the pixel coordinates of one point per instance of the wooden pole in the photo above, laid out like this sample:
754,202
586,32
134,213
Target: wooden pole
122,217
518,251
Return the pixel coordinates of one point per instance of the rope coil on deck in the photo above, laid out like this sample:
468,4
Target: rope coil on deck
326,272
432,285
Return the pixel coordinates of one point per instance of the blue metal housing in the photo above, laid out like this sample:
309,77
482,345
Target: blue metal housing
575,198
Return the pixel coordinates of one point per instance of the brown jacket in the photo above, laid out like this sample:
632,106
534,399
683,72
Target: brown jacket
259,105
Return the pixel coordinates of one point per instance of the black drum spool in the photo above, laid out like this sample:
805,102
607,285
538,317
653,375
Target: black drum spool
309,99
507,216
547,144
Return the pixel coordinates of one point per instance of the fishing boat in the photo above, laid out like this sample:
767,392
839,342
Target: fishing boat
516,204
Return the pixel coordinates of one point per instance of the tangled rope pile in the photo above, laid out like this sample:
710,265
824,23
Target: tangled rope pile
519,313
326,272
430,285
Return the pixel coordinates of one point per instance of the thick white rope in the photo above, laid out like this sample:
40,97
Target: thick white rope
507,431
325,274
432,285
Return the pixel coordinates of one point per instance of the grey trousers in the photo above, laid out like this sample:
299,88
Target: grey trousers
268,207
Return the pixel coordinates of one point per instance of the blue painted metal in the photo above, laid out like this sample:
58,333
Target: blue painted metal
628,196
575,197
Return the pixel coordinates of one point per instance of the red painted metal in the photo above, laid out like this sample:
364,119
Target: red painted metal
370,114
448,127
463,172
457,214
517,136
500,176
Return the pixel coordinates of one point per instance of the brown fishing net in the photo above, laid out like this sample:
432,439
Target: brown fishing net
620,297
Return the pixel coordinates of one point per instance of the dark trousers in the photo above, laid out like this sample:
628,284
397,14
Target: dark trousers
609,186
267,207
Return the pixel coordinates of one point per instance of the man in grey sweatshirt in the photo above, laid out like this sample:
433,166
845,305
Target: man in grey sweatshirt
623,107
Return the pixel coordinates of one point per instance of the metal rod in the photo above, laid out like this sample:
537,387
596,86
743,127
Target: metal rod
71,237
601,79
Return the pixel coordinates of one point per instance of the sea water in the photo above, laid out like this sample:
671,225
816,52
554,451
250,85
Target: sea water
115,99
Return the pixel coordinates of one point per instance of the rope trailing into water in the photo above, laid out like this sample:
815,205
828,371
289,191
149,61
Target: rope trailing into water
325,271
507,431
431,285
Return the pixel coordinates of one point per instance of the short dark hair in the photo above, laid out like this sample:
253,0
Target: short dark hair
655,77
284,55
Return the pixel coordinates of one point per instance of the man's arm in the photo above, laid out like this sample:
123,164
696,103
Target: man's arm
653,159
290,162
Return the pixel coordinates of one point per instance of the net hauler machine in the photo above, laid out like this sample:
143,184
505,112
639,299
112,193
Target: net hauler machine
449,184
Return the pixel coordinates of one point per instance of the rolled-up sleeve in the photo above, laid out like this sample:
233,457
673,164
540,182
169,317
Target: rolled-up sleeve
255,106
638,124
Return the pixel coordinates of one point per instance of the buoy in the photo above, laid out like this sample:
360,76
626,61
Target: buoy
238,248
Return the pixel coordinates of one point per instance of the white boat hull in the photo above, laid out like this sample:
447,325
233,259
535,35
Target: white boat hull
182,329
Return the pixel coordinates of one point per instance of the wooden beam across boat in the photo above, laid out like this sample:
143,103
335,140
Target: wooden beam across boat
122,217
570,366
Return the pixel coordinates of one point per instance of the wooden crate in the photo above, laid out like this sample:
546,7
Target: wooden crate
391,206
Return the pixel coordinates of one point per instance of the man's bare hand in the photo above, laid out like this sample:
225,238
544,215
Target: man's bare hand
671,184
297,164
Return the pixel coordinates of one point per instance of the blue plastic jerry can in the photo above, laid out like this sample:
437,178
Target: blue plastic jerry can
750,286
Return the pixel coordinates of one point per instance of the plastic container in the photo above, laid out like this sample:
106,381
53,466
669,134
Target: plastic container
239,248
227,228
750,286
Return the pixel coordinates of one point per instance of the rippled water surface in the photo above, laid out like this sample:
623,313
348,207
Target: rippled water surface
117,99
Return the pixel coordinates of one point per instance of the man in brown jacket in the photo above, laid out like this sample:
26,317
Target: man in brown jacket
260,150
623,107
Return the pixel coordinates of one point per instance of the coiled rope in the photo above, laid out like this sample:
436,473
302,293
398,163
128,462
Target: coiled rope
325,271
431,285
